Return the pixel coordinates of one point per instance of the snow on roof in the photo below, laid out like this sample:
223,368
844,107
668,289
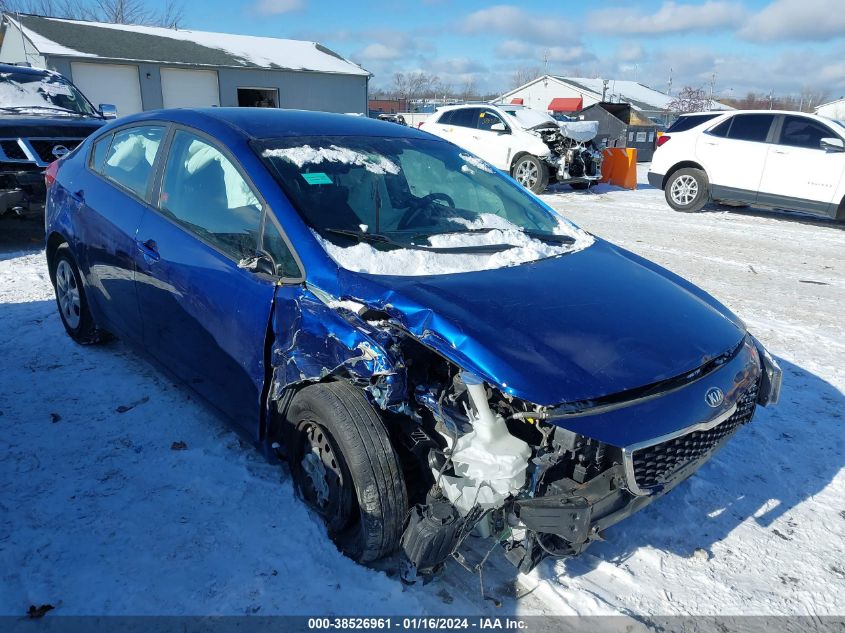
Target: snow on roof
75,38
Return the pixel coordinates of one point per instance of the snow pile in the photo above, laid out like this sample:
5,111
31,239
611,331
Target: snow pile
307,155
365,258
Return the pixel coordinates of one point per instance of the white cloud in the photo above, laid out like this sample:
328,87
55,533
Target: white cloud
276,7
671,17
818,20
377,52
512,21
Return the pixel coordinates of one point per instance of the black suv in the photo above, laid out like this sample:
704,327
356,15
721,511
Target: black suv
43,116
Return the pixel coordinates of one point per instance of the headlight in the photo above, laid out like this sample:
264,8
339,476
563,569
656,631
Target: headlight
772,378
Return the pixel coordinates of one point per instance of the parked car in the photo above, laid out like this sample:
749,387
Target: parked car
434,350
392,118
783,160
531,146
42,117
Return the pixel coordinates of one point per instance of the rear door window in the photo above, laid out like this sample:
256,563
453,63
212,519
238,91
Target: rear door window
750,127
131,156
205,193
799,131
465,117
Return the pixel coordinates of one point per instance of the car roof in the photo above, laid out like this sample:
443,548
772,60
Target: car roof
24,70
267,123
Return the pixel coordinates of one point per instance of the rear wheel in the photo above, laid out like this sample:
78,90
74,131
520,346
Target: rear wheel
71,299
344,467
688,190
532,173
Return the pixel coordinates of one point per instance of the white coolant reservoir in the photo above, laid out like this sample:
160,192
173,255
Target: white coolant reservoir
489,461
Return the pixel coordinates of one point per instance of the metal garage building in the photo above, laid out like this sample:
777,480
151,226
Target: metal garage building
144,68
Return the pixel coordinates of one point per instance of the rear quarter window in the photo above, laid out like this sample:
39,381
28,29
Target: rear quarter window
684,123
99,151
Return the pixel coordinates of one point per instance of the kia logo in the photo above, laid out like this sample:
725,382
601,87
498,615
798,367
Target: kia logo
714,397
60,150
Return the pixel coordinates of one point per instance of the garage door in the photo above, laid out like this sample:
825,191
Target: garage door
189,88
109,83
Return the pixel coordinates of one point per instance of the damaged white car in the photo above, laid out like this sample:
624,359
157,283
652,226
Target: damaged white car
531,146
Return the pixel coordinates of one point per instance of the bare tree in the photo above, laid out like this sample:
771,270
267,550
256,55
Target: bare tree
522,76
690,100
412,85
468,89
112,11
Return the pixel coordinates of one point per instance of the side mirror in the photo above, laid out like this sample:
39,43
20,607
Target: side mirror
833,144
108,111
500,128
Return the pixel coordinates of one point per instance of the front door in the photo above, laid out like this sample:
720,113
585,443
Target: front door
205,314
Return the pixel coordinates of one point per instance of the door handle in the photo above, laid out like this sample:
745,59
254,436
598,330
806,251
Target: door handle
149,250
779,151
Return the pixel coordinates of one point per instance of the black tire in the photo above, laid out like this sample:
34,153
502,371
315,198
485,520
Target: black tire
531,173
688,183
75,315
581,186
361,497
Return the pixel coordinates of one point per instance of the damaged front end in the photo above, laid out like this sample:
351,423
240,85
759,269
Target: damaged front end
574,157
540,480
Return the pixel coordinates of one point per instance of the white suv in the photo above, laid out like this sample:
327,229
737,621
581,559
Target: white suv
783,160
529,145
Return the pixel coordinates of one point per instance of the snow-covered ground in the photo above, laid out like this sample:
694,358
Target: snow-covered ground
100,515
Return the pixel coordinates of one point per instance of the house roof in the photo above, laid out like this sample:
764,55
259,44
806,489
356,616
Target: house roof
75,38
640,96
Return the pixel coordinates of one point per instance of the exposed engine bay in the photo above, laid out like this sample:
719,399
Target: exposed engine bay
575,158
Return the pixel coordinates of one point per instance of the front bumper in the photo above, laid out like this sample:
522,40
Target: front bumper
22,193
663,440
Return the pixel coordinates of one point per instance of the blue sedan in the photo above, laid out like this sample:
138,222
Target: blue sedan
433,349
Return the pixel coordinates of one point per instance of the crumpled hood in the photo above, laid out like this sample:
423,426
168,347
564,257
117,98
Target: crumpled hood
569,328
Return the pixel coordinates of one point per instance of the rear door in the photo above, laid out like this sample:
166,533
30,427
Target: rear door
799,173
733,154
461,128
112,201
205,313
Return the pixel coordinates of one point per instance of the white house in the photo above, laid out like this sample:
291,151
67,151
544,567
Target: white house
833,109
145,68
570,94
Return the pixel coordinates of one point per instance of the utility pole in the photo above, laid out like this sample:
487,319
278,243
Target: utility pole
604,89
771,98
712,84
669,86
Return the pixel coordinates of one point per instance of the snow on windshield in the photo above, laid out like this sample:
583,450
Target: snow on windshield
531,118
22,91
476,162
363,258
307,155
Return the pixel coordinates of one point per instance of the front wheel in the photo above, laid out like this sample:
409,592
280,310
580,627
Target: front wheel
532,173
345,468
688,190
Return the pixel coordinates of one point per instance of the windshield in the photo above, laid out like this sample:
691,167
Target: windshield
26,92
414,206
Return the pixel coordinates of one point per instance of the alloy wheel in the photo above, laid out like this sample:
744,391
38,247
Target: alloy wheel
67,292
684,190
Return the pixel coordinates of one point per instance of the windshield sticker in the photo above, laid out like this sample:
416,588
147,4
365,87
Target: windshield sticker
56,89
317,178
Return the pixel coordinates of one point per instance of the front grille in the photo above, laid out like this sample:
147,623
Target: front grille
655,465
44,147
13,151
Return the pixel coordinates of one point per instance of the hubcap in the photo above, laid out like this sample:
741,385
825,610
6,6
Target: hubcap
527,174
67,292
324,484
684,190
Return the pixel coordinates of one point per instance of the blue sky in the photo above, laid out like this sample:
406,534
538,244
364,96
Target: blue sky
759,45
